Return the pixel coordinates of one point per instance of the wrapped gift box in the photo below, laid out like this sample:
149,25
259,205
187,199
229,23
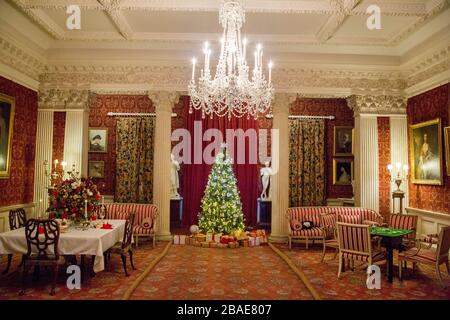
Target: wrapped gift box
205,244
216,237
209,237
200,237
244,242
222,245
213,244
182,239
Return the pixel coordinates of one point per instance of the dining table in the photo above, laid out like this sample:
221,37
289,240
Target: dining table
391,239
73,241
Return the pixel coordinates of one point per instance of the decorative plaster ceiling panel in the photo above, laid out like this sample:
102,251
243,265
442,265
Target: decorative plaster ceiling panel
91,20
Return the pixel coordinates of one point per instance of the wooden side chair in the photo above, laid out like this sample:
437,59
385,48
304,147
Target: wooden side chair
426,255
42,249
124,247
407,222
17,219
355,245
328,225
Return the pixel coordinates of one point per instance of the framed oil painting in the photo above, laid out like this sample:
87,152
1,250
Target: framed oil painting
96,169
98,140
426,152
343,141
447,148
7,106
342,171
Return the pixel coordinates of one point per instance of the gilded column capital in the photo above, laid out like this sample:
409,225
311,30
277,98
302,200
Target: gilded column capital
379,104
65,99
164,100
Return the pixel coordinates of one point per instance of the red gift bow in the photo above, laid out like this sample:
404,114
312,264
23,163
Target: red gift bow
41,230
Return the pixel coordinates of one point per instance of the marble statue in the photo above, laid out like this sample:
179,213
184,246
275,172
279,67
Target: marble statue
174,179
266,172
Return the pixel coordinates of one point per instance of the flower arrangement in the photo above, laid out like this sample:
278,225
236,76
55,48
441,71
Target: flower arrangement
70,199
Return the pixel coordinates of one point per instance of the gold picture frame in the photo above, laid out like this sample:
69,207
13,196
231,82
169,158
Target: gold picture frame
98,145
7,111
425,151
343,173
342,147
96,169
447,148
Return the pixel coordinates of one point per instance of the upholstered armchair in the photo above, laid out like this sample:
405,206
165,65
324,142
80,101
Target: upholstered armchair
425,254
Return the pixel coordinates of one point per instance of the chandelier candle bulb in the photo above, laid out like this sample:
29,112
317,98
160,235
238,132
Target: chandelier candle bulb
270,72
244,51
64,164
194,61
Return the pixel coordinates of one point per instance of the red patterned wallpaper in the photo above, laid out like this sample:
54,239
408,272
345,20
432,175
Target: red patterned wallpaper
59,126
18,189
344,117
426,106
98,118
384,150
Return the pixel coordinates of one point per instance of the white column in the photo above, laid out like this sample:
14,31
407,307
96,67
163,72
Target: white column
280,164
164,102
399,150
76,140
366,162
44,148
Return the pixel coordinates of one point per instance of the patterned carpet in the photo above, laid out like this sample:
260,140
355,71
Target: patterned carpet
258,273
423,284
106,285
193,273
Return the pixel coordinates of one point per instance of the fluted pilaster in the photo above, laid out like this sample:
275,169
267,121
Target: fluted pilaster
164,102
280,165
366,162
44,145
76,140
399,149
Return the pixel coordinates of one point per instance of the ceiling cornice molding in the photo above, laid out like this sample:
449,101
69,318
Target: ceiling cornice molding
20,59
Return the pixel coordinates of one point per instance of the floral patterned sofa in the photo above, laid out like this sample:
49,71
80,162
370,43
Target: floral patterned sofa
345,214
144,221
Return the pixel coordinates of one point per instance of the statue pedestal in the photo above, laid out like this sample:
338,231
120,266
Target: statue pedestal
176,211
263,213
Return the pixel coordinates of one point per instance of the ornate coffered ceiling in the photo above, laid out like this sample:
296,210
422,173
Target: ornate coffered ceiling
320,48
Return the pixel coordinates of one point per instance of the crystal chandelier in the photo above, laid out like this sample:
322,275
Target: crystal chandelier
231,92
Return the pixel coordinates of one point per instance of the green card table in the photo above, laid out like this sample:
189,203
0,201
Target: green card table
390,239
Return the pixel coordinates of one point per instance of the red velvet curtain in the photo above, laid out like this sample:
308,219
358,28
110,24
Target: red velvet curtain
195,176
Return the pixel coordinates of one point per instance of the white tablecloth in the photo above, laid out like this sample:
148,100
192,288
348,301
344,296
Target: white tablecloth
92,242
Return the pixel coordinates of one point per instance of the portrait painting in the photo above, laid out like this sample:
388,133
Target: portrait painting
7,106
342,171
96,169
426,152
343,141
98,140
447,148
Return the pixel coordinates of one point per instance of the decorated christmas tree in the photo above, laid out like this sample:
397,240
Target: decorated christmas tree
221,204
